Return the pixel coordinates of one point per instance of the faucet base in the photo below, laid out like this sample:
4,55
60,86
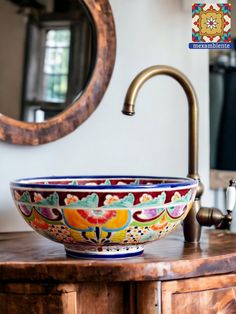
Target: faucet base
191,227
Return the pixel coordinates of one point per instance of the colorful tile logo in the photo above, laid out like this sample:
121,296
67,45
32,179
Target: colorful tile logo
211,23
211,26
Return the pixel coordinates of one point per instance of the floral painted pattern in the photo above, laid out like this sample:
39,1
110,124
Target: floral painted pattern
97,217
38,197
145,198
104,219
70,199
61,233
110,199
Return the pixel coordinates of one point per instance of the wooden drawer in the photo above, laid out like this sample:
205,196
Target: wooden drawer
81,298
37,298
208,295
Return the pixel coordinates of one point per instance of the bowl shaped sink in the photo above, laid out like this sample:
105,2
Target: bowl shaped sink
104,216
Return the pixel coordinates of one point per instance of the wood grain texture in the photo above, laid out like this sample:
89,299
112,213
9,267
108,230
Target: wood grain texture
215,294
18,132
147,297
80,298
104,298
29,257
38,303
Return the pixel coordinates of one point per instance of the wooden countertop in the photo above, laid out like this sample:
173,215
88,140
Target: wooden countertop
28,256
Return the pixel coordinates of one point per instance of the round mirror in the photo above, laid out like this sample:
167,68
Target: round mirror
56,61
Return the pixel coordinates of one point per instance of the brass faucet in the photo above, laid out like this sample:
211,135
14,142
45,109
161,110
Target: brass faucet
191,226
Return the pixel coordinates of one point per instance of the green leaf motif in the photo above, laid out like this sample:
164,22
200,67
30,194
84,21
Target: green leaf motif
157,201
74,182
25,197
91,201
185,198
136,182
52,200
107,182
126,202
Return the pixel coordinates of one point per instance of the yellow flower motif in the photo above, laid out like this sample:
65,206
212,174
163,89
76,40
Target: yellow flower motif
37,197
145,198
71,199
175,197
211,23
110,199
112,221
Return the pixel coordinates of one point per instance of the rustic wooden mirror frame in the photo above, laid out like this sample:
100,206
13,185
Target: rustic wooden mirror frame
24,133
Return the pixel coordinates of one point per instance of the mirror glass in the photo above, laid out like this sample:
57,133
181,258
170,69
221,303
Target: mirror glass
223,104
47,56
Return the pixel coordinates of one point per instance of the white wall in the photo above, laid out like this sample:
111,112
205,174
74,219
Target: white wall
154,142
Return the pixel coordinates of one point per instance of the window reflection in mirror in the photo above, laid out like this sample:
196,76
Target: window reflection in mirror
56,64
47,56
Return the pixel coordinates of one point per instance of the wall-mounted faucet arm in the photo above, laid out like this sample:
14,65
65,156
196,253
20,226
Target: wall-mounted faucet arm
203,215
191,227
141,78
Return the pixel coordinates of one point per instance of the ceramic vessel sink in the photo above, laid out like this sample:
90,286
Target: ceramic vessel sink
104,216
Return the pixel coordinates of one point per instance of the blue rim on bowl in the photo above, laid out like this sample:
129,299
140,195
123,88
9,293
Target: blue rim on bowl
32,182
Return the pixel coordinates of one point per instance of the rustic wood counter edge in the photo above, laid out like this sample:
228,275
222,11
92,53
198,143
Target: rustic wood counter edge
29,257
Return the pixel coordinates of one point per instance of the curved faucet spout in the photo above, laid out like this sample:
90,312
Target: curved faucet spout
141,78
191,226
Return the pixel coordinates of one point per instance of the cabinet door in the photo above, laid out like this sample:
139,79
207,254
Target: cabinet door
208,295
37,298
80,298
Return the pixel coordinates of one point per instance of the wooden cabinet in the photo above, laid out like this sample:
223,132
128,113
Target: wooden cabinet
86,298
171,278
215,294
20,298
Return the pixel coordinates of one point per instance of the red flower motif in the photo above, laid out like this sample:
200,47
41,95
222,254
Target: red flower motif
39,222
98,217
38,197
70,199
